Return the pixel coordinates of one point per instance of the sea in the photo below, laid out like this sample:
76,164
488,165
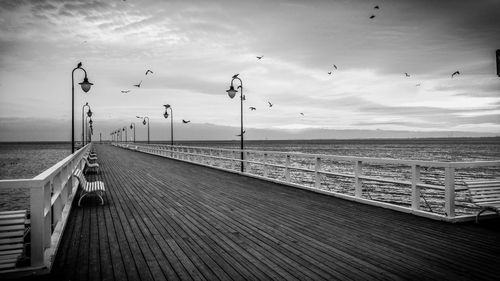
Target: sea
27,159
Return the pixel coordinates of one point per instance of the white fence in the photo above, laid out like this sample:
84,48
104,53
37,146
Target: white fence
51,195
401,185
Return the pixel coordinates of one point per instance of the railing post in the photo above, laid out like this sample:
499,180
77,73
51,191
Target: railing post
47,214
415,189
287,168
266,169
317,177
37,225
358,182
449,191
233,162
247,164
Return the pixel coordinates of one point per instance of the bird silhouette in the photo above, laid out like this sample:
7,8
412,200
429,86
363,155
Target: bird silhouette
185,121
407,75
270,104
138,85
455,73
417,85
252,108
149,71
260,57
235,76
125,91
240,134
79,65
302,113
376,7
372,16
334,66
330,73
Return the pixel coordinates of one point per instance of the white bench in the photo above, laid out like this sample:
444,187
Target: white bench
95,187
486,195
89,165
12,232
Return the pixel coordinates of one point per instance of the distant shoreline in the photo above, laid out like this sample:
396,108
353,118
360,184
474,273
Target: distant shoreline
490,140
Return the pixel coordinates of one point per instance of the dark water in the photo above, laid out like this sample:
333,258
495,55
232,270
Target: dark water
26,160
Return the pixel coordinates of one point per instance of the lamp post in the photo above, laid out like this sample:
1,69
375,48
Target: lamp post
232,92
132,125
85,84
144,123
91,131
125,130
167,106
89,114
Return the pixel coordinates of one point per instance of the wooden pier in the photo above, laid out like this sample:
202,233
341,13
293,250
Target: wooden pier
169,220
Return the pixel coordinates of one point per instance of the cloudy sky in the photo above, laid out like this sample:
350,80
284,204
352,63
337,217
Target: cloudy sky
195,47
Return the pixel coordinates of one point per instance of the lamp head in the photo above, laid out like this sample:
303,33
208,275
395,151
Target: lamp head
131,126
90,122
144,122
85,85
89,113
166,106
165,114
231,92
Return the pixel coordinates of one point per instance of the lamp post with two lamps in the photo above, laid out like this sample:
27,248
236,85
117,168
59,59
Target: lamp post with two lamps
89,114
167,106
132,126
232,92
85,84
144,123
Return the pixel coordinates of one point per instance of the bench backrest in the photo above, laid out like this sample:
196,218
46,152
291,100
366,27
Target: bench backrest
81,179
484,192
12,231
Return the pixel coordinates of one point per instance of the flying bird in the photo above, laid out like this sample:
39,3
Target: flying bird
455,73
334,66
138,85
330,73
149,71
418,85
240,134
270,104
79,65
407,75
185,121
252,108
376,7
372,16
302,113
125,91
235,76
260,57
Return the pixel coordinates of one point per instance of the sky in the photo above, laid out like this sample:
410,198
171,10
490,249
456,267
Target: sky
194,48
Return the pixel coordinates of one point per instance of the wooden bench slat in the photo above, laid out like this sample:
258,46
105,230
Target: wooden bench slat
11,252
19,233
11,247
10,257
12,216
6,228
7,266
12,222
12,240
12,212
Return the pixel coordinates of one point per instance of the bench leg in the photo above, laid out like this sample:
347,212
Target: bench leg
81,197
484,210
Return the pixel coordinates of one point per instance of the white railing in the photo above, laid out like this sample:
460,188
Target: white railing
354,178
51,195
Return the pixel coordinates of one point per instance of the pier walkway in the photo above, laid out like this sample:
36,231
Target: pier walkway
168,220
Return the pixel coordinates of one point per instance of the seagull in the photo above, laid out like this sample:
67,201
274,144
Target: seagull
185,121
455,73
125,91
372,16
270,104
149,71
240,134
302,113
138,85
407,75
376,7
79,65
252,108
260,57
334,66
330,73
235,76
418,85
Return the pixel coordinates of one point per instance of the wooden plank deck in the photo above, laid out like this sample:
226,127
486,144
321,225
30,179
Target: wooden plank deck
168,220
